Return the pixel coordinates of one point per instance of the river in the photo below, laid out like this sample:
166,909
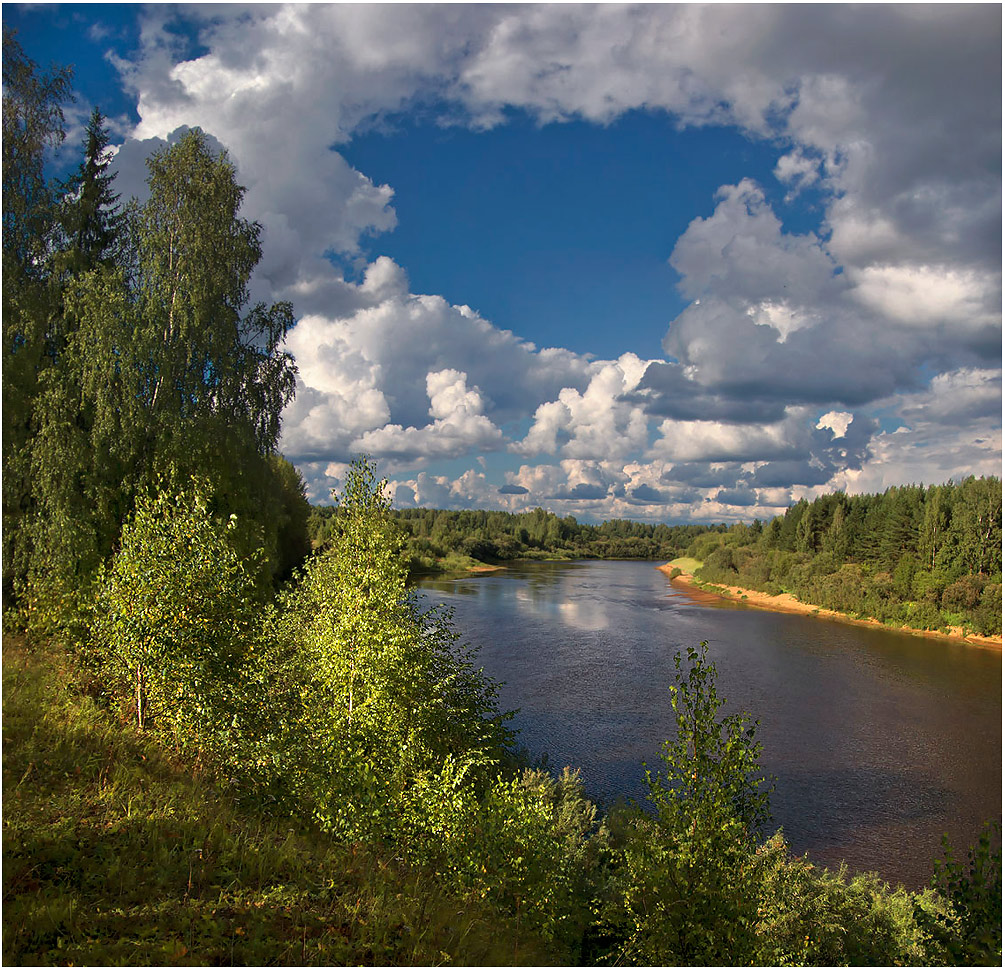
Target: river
878,741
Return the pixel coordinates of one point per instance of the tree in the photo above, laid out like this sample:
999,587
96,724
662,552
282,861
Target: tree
164,367
32,124
386,695
977,524
293,544
935,523
174,612
91,220
688,885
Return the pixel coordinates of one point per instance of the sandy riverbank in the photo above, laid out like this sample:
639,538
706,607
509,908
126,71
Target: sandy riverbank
786,603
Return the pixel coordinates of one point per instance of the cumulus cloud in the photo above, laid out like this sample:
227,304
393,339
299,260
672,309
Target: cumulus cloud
836,421
459,426
369,380
791,343
798,170
596,423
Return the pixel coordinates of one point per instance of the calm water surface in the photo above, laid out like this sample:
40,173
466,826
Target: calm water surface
879,742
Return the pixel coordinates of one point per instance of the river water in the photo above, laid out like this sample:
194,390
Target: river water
878,741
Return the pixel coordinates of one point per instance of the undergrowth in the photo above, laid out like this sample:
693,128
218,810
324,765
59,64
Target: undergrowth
117,851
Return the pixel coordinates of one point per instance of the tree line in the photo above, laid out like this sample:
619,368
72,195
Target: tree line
928,558
435,535
153,529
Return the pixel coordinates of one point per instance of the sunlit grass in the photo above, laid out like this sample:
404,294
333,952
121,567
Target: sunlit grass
685,564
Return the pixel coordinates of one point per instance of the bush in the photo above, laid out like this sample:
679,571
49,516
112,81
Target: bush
929,584
527,843
968,929
924,616
174,613
988,615
813,917
686,882
963,594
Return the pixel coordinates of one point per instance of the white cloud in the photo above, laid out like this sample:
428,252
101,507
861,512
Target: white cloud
718,441
888,116
596,423
459,426
836,421
369,380
797,170
922,295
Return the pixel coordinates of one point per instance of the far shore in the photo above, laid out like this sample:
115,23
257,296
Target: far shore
786,603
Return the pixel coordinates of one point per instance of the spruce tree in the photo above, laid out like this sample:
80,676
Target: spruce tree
90,216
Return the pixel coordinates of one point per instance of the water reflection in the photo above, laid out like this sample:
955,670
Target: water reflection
879,741
578,614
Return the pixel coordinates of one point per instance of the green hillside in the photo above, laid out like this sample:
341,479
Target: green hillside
118,851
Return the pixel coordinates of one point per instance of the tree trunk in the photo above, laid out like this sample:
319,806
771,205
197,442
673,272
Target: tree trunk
140,699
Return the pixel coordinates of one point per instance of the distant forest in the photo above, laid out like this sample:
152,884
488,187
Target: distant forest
929,558
440,540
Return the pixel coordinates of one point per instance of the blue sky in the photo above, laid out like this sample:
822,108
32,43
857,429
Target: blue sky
582,218
676,263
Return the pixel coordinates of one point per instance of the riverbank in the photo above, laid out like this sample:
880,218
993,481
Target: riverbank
787,603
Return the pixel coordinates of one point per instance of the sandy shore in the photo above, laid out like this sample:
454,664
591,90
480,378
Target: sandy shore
786,603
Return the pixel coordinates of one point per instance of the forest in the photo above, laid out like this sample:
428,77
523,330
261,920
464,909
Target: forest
437,540
222,747
927,558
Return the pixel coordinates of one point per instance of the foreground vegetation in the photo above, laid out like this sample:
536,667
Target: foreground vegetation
124,846
119,850
220,749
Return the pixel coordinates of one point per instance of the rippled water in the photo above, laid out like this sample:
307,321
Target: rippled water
879,741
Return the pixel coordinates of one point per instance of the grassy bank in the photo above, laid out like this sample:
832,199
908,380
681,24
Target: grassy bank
119,852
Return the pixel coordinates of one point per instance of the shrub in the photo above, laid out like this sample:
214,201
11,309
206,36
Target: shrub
924,616
988,615
968,929
174,612
687,880
813,917
963,594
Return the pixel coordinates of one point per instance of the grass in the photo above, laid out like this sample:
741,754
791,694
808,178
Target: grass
116,851
686,564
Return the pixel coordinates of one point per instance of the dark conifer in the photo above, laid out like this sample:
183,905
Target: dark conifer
90,216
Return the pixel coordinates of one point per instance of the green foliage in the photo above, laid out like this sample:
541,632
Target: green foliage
928,559
117,851
968,929
173,615
32,124
688,881
812,917
527,843
91,223
385,695
439,540
159,364
290,536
